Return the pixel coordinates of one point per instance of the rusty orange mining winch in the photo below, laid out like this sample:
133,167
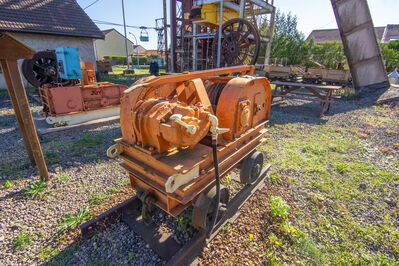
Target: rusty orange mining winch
168,124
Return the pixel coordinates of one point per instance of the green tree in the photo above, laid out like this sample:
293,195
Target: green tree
329,54
394,45
391,57
288,42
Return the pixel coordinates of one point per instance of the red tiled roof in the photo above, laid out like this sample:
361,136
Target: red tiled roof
106,31
60,17
330,35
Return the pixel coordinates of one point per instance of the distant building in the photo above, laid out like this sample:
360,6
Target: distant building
114,45
391,33
384,34
45,25
149,52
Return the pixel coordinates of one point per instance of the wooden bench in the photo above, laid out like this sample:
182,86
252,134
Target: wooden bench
316,93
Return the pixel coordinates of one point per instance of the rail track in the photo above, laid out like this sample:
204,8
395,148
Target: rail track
163,243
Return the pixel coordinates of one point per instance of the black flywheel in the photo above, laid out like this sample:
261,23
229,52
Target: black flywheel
240,44
41,69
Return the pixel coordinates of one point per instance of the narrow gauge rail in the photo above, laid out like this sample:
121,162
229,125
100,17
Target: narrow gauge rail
163,244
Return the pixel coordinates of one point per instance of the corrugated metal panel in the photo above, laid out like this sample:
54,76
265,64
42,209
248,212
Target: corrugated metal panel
360,43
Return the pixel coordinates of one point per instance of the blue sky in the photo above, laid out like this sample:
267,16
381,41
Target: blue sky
312,14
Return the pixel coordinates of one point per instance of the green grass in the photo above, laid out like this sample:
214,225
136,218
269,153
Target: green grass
118,70
8,184
340,179
86,143
13,168
36,189
23,240
96,198
63,177
51,157
130,256
71,221
112,190
63,257
46,253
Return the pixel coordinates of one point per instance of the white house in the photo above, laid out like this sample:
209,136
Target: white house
114,45
46,25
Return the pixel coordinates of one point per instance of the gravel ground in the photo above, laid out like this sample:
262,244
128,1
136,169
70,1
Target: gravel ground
84,176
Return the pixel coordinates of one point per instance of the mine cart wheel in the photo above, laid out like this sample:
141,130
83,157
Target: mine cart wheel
205,205
240,44
251,168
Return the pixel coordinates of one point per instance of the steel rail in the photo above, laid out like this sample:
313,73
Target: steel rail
164,245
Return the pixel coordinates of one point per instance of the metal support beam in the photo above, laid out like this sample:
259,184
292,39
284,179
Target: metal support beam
194,47
220,33
270,35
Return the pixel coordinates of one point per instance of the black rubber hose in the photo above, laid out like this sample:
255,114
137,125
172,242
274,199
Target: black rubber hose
217,179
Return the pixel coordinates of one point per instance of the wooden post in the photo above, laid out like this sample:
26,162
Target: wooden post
10,52
17,110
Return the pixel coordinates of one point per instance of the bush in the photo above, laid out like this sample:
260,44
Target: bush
117,60
121,60
390,55
329,54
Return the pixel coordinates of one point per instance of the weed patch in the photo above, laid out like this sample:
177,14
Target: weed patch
8,184
47,253
71,221
22,240
278,207
96,198
63,177
36,189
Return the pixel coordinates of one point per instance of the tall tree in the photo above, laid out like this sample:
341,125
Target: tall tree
288,42
329,54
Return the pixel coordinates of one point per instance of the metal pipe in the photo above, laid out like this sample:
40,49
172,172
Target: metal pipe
194,47
165,28
124,26
200,35
173,36
220,33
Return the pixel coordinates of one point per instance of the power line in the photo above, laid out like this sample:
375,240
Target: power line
90,5
118,24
